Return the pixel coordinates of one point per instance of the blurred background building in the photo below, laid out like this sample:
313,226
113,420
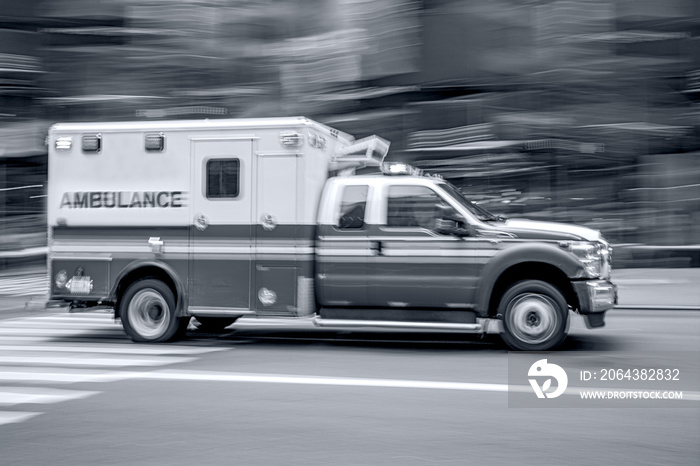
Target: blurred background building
572,110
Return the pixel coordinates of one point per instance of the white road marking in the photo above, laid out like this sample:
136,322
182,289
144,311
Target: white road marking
38,395
12,324
357,382
87,360
26,360
318,380
60,375
87,317
57,332
24,339
125,348
9,417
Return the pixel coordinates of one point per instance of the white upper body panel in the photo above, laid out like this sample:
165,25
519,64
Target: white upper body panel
124,184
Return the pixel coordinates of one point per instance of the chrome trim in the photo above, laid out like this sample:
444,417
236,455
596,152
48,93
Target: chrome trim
107,258
218,311
262,153
342,323
602,295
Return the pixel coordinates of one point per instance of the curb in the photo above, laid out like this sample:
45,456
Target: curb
646,307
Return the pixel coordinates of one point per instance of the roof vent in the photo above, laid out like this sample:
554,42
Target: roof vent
92,142
155,142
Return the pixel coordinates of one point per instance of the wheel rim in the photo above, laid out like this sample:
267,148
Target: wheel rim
533,318
149,313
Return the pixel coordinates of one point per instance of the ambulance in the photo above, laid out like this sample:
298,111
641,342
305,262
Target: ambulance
287,219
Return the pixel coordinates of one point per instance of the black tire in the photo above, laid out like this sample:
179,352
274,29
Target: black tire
535,316
214,324
148,312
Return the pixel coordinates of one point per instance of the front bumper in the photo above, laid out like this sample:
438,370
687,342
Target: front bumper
595,297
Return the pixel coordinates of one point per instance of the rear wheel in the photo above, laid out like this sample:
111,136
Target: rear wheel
148,312
214,324
535,316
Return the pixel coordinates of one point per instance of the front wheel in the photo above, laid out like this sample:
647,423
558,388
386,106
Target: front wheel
535,316
148,312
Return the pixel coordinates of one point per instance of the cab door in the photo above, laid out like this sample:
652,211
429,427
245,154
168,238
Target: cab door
343,248
221,231
414,266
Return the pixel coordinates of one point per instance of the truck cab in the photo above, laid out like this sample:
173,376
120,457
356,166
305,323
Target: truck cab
398,249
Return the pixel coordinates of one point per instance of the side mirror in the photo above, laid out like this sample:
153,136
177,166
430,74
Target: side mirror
449,222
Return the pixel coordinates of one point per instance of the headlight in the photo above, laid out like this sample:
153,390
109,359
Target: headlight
591,256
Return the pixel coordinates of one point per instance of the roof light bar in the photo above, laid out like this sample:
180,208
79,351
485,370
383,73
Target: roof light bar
397,168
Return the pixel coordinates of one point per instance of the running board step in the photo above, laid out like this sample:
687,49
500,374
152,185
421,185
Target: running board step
347,323
482,325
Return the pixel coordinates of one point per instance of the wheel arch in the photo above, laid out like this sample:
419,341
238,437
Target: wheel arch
530,270
537,261
141,269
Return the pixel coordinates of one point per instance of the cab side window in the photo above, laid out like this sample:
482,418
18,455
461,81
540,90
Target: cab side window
412,206
352,207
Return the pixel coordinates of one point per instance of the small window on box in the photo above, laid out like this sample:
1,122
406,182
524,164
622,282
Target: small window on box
222,178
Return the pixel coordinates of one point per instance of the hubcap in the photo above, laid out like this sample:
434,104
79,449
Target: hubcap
533,318
148,313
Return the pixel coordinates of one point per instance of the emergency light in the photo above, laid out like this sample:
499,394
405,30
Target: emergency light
398,168
64,143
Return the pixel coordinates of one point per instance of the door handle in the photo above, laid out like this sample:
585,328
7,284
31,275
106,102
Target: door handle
201,222
268,222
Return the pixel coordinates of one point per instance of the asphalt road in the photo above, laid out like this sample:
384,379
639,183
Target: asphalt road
75,391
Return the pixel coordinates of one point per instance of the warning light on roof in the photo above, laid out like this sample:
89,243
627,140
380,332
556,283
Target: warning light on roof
64,143
396,168
291,139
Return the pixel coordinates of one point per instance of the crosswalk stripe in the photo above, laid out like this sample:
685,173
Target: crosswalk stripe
34,358
59,375
57,325
9,417
56,332
39,395
91,317
64,315
86,360
23,339
126,348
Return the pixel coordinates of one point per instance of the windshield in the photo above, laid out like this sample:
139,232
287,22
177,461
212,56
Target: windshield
479,212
